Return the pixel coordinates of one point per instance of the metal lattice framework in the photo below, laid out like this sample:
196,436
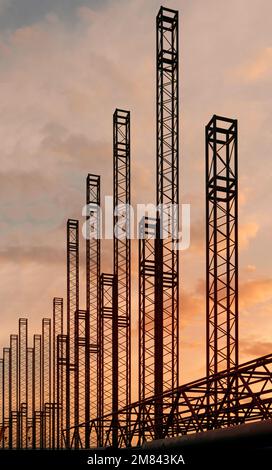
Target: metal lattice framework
106,371
22,380
185,408
82,374
62,364
57,330
46,361
72,307
30,396
37,390
6,400
221,249
92,287
168,183
122,253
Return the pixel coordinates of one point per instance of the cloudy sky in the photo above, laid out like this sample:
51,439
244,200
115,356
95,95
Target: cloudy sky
64,67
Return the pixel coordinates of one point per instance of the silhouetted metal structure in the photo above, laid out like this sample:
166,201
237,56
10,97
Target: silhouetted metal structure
107,371
72,307
121,262
159,263
93,235
74,390
221,252
82,375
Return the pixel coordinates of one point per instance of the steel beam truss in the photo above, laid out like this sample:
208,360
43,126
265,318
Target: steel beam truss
13,393
93,236
57,330
30,397
37,391
72,307
167,343
82,375
62,364
221,250
6,400
22,381
185,408
121,260
107,371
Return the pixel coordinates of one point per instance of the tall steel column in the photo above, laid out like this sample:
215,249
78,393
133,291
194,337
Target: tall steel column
122,258
168,191
57,330
13,393
72,307
221,250
2,423
37,391
92,291
82,376
62,364
46,361
107,374
22,383
6,399
30,396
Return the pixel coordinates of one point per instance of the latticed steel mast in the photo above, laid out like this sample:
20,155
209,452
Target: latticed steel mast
221,248
107,373
92,290
72,307
122,259
158,263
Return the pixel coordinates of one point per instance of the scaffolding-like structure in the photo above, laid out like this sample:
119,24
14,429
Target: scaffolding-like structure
93,236
221,252
72,307
121,260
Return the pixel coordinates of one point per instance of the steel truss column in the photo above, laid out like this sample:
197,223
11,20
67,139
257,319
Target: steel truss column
6,399
107,356
2,421
122,254
168,193
13,393
62,364
72,307
37,391
57,330
23,380
152,282
92,292
82,375
221,253
30,396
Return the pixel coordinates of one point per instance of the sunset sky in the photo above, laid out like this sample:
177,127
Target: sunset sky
65,65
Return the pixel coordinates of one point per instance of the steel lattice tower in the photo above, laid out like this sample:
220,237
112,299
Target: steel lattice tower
107,355
122,259
72,307
6,392
92,289
82,376
57,330
30,396
22,380
221,249
158,257
168,183
62,364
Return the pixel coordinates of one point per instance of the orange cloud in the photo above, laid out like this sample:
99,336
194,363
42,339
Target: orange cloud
247,232
257,68
255,292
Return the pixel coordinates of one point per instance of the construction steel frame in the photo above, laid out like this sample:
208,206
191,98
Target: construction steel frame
93,236
221,251
30,396
62,364
107,354
72,307
185,408
121,261
82,374
46,361
57,330
159,258
22,381
37,390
